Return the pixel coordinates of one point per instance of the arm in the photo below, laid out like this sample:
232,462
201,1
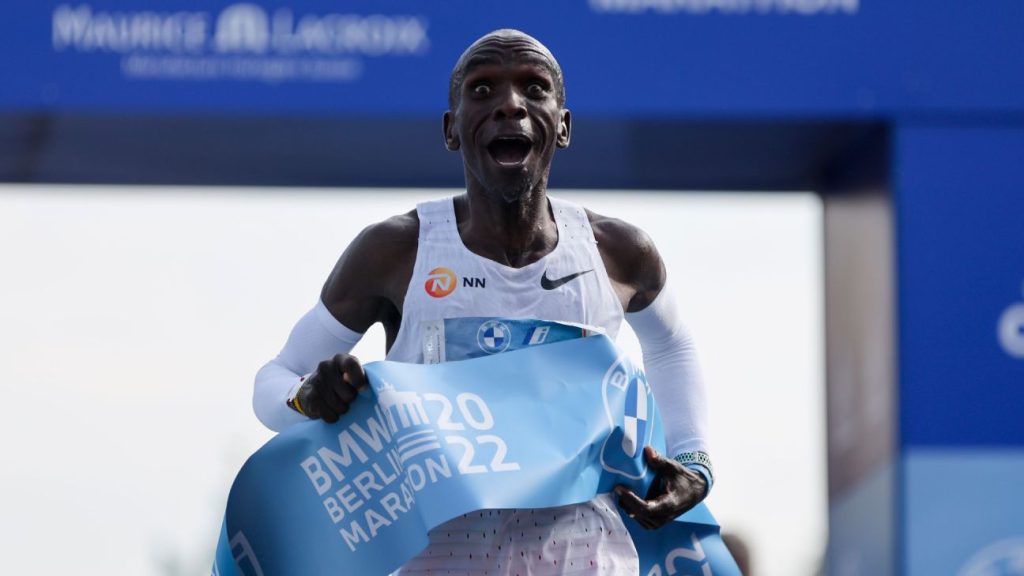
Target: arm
670,360
314,376
316,337
638,276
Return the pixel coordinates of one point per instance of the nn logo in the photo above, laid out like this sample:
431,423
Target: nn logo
440,282
443,281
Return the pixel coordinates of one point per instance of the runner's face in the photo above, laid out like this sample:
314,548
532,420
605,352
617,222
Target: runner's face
507,118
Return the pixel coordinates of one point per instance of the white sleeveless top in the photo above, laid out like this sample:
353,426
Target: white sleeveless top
450,281
569,284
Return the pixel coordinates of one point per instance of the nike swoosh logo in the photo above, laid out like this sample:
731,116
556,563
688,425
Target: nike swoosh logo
548,284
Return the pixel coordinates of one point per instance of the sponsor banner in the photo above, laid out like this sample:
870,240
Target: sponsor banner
394,56
961,284
432,442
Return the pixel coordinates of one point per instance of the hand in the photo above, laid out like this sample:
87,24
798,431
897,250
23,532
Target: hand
675,490
329,391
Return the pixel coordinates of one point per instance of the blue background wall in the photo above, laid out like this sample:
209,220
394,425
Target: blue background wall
959,192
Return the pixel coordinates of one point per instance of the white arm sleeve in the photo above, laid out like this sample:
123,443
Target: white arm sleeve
670,361
318,336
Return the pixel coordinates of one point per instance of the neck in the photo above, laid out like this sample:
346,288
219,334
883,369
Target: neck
513,233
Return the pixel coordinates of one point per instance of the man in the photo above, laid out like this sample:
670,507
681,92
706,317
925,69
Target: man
530,256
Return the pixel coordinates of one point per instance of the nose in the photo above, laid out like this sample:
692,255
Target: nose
511,106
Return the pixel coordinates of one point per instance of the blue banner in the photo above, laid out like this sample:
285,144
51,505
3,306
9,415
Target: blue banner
704,57
538,427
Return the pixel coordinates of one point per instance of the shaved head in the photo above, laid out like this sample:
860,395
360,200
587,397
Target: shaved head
506,37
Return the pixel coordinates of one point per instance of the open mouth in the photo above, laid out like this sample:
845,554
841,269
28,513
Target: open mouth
510,150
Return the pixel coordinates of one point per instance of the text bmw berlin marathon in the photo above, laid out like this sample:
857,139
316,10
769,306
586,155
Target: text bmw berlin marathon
375,498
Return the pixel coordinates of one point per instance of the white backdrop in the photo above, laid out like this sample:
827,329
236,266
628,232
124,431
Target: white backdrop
132,321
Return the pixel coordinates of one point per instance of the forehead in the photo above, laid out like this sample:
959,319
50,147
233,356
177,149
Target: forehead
507,50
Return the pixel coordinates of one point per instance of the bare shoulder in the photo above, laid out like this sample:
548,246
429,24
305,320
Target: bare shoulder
632,260
397,233
370,277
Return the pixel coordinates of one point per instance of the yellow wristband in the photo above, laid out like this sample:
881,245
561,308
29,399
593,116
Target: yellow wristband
297,406
293,401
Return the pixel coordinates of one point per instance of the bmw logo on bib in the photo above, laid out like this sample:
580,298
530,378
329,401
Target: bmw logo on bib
494,337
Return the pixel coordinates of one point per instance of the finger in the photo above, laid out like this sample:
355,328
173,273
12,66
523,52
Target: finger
644,521
344,391
340,397
659,463
634,506
342,365
657,488
652,523
328,373
325,383
353,371
662,509
319,408
329,416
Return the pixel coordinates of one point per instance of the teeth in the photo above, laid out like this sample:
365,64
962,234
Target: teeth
510,150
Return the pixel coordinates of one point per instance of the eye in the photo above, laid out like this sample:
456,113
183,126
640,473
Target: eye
481,90
536,90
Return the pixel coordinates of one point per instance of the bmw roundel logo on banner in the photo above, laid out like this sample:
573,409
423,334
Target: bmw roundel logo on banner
494,337
622,452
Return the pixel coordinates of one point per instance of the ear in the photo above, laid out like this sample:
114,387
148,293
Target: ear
564,129
451,137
